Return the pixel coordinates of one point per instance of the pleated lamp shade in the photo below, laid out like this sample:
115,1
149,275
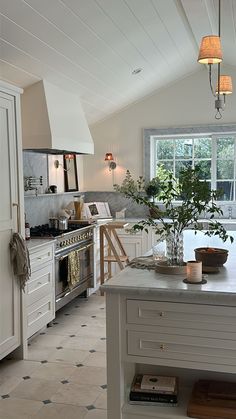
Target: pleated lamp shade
226,86
109,157
210,50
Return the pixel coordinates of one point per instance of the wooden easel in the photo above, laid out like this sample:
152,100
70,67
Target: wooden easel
108,232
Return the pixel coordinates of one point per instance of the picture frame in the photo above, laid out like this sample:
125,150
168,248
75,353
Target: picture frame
70,172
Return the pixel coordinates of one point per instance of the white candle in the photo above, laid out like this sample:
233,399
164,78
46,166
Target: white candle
194,271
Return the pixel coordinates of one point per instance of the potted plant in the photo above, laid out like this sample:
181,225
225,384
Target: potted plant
175,216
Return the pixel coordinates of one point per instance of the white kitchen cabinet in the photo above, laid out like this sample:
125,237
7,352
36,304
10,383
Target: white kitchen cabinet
40,289
11,215
188,340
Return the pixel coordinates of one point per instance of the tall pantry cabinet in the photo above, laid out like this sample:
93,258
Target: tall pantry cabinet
11,215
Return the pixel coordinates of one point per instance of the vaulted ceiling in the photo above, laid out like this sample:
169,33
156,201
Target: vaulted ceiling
91,47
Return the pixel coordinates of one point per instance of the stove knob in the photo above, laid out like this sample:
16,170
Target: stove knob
61,244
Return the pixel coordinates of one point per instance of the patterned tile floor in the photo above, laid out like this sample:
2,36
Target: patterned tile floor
65,375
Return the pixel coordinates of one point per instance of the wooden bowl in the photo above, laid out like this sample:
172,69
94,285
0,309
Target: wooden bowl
211,256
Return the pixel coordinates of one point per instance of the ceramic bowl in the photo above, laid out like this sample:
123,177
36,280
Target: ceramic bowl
211,256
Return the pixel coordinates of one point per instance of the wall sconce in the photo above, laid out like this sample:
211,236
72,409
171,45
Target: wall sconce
68,158
211,53
110,159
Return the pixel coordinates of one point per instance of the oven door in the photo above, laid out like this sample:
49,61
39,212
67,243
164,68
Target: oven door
85,266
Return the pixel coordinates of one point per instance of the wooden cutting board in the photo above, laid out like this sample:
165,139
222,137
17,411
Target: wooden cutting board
208,400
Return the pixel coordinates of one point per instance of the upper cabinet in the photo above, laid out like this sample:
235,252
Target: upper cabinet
11,215
53,121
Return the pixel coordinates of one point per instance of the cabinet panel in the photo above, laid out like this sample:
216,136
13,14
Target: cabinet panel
9,223
189,316
182,348
40,284
41,256
39,314
40,298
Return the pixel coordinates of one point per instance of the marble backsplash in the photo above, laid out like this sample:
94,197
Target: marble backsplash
39,209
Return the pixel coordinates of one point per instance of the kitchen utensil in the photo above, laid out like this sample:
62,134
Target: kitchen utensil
53,223
63,223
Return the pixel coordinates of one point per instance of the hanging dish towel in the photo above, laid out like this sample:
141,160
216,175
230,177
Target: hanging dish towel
20,259
73,269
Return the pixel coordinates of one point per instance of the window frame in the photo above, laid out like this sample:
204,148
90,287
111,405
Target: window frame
214,131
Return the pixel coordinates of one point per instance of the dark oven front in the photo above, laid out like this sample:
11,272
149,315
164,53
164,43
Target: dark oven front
64,288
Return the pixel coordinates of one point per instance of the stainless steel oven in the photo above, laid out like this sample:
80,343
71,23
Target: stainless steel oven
82,244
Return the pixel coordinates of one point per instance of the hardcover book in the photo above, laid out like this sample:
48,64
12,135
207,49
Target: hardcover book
140,384
137,394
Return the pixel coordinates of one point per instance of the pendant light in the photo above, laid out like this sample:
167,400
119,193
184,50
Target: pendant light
210,53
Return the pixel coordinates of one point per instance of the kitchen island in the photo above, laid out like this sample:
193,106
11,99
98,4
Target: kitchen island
157,324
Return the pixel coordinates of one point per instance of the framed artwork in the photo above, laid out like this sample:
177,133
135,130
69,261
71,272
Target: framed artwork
70,172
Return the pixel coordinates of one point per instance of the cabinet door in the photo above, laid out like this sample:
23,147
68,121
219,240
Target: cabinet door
9,290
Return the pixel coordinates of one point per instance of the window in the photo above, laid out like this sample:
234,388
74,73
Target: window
214,153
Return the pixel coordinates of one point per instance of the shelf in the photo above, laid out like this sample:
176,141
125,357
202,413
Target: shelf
131,411
51,194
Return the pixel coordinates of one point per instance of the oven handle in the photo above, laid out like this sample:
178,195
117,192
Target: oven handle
60,258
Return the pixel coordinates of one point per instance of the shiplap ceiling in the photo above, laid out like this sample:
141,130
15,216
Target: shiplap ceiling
92,46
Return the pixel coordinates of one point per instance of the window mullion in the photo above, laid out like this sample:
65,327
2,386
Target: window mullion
213,161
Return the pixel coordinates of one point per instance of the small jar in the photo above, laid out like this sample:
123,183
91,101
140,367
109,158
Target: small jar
27,231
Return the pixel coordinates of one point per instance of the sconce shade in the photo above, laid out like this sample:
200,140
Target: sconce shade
109,157
226,86
69,156
210,50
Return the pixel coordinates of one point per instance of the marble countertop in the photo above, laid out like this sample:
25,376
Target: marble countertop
35,243
219,289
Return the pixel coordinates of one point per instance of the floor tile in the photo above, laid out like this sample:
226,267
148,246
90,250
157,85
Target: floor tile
18,368
36,389
96,359
89,375
7,384
78,342
47,341
14,408
51,371
101,402
61,411
96,414
77,394
72,356
38,353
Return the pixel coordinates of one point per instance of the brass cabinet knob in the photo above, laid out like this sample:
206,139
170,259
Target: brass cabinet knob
162,314
163,347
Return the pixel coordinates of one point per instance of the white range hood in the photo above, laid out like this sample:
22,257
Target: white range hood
53,121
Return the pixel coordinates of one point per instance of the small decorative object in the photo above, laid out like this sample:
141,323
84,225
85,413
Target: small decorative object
211,256
194,271
174,217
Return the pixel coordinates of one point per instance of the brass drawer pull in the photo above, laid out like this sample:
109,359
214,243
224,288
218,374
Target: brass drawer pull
163,347
162,314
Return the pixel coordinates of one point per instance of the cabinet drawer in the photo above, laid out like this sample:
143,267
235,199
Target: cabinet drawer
181,316
183,349
41,256
40,284
39,314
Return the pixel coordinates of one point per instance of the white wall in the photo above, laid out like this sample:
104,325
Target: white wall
188,102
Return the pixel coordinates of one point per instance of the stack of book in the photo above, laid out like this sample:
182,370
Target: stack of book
154,390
